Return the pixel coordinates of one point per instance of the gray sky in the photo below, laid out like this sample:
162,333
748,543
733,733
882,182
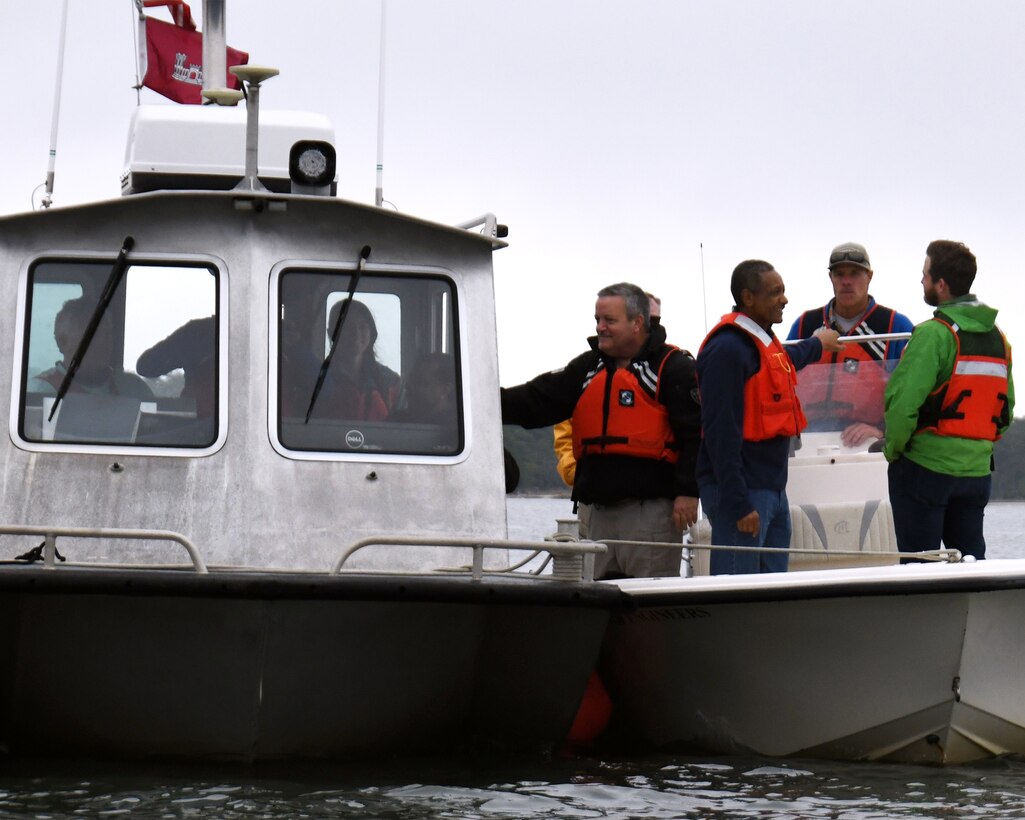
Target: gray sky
613,138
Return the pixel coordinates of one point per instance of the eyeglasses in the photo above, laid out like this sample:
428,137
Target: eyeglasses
848,255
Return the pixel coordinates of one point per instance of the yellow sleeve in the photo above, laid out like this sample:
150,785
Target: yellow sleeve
566,465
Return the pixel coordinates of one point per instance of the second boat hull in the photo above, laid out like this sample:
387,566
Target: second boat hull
916,664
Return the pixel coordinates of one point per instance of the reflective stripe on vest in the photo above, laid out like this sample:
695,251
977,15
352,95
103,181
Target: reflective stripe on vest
981,368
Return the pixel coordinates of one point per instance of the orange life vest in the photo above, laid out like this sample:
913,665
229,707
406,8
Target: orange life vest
771,406
855,391
972,402
848,391
622,415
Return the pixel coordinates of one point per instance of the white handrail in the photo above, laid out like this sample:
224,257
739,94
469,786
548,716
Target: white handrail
951,556
489,222
478,545
50,534
859,339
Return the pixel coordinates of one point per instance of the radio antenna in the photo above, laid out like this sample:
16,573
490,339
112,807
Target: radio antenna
379,192
48,195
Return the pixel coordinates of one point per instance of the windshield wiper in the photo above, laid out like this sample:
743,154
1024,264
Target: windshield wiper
336,332
113,280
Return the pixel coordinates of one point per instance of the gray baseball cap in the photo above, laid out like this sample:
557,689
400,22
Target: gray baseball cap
850,253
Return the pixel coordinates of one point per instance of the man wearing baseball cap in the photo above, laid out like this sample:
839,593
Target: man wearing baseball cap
851,394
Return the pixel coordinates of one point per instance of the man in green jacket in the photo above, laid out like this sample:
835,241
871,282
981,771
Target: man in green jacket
948,400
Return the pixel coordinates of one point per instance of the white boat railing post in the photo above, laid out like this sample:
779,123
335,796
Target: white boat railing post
478,562
587,574
50,550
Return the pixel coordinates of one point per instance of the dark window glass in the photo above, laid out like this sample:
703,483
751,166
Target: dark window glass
391,383
148,376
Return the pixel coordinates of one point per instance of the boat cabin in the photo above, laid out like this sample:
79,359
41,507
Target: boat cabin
272,375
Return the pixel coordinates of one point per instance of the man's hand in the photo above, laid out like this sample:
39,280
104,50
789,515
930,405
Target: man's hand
829,337
750,523
858,433
685,511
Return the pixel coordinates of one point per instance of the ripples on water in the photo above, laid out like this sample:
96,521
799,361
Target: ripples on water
653,787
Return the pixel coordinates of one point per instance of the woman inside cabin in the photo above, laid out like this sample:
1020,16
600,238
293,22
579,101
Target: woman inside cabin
356,385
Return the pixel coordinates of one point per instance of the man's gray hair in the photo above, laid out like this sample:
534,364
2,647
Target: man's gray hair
635,299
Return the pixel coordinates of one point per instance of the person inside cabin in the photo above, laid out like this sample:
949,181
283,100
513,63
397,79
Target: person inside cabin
562,434
750,412
356,385
636,427
429,395
193,349
850,397
98,373
950,397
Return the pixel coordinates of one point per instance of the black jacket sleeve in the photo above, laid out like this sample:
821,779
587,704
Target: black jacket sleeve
549,398
678,390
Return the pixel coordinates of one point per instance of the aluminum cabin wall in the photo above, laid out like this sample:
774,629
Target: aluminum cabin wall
247,504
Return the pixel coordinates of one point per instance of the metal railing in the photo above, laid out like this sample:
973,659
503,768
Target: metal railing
489,225
582,551
51,534
950,556
859,339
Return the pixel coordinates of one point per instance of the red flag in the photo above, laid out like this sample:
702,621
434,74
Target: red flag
179,9
174,62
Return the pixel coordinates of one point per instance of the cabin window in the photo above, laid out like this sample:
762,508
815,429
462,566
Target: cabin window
137,369
389,384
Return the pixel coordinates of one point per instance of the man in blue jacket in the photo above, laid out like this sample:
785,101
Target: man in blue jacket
750,412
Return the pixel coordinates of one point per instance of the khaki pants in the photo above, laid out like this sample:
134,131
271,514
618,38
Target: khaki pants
645,520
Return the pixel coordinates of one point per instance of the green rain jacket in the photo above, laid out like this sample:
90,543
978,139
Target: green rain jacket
927,362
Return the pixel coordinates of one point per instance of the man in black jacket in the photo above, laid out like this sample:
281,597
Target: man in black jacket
636,430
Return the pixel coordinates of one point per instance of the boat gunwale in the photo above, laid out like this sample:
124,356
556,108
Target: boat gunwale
235,583
999,575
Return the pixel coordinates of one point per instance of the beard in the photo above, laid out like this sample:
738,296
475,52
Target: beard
931,296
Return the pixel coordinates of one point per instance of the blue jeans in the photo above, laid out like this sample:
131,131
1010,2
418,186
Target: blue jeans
774,531
929,507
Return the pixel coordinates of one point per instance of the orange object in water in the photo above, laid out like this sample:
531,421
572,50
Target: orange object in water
594,713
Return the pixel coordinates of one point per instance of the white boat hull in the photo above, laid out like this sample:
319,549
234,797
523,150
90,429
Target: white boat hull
913,663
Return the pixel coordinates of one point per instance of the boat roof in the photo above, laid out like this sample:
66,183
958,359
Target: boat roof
243,200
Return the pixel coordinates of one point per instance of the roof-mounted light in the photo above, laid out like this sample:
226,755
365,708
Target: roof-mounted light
311,167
